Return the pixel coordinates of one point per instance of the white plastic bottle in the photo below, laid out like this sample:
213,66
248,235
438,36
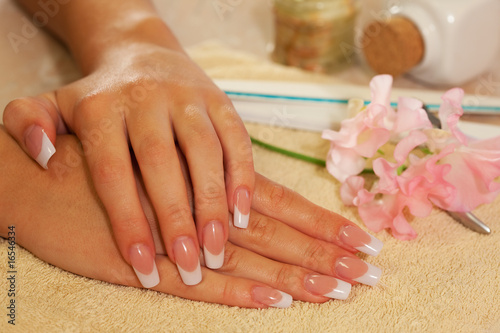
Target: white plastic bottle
459,40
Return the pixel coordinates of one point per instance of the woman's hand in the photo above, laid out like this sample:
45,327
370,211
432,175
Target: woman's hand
291,247
141,90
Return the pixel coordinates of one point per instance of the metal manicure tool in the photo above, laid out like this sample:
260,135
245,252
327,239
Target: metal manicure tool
468,219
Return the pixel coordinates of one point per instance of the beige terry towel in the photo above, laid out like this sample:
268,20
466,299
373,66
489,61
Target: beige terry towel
448,280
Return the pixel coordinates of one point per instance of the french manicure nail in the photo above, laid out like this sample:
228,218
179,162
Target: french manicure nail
272,297
213,244
143,263
327,286
357,270
187,260
39,145
360,240
242,203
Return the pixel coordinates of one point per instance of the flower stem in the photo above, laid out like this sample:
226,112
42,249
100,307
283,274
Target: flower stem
289,153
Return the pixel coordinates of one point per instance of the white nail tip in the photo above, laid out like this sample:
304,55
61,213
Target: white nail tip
284,302
148,280
190,278
46,152
371,277
341,291
213,261
373,248
240,220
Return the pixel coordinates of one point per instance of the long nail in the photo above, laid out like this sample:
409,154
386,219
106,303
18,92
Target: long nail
143,263
272,297
39,145
213,244
187,260
242,203
360,240
357,270
327,286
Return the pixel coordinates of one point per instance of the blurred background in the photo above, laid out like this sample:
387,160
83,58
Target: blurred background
242,25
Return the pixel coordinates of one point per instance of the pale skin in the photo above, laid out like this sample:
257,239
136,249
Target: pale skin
140,90
288,238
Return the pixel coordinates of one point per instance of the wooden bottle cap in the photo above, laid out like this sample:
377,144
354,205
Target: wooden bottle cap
393,47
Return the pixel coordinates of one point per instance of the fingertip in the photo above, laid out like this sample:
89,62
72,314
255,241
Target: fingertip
242,203
187,260
213,244
32,122
38,144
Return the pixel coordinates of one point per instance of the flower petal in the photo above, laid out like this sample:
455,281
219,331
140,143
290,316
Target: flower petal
410,116
450,112
342,163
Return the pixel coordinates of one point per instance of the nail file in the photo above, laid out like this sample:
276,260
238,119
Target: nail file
313,106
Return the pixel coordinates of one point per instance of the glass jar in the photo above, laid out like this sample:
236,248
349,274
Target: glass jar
314,34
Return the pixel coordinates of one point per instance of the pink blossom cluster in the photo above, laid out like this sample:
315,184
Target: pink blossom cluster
441,167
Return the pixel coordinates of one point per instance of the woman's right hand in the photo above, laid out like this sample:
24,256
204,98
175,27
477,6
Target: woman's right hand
292,248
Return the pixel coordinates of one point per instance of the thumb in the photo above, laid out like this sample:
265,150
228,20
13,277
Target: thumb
33,121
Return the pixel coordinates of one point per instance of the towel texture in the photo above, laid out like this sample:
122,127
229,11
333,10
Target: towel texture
448,280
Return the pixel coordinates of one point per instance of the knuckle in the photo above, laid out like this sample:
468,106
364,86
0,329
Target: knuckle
288,276
240,167
212,193
204,142
320,220
278,198
227,112
231,259
109,170
154,152
125,224
314,254
229,290
17,105
209,140
15,111
192,112
262,230
88,108
177,212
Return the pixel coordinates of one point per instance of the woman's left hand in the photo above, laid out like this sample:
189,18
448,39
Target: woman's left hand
292,247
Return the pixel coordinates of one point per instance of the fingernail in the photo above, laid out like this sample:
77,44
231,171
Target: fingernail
39,145
213,244
242,204
327,286
272,297
187,260
143,263
357,270
360,240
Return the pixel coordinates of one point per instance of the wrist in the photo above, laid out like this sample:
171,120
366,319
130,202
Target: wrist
124,38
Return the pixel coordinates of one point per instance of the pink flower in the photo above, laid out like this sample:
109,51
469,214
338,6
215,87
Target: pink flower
360,137
479,160
411,181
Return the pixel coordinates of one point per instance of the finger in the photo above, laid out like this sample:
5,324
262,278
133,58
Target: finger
303,284
157,158
87,247
222,289
108,158
285,205
238,160
275,240
33,122
201,147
